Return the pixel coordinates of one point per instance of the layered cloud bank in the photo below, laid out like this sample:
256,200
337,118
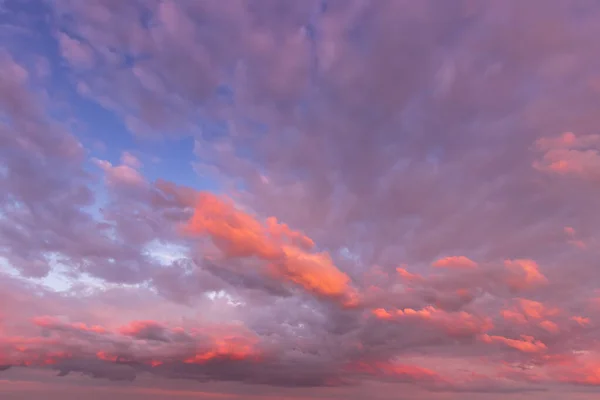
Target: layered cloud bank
299,199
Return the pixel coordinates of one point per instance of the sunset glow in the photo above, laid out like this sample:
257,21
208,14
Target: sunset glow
299,199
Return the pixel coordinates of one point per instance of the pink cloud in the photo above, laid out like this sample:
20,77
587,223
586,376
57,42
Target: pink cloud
408,276
514,316
77,53
121,175
526,344
148,342
130,160
528,311
549,326
583,321
340,160
454,324
570,154
238,234
411,373
460,262
535,309
524,274
55,323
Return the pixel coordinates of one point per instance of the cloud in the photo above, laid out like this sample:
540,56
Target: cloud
125,174
77,53
129,159
150,330
569,154
524,274
322,157
55,324
238,234
584,375
400,372
408,275
454,324
118,354
455,262
527,310
581,320
550,326
526,344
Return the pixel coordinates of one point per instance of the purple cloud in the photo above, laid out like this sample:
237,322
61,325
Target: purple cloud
299,199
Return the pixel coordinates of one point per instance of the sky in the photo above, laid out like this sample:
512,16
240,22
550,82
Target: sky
285,199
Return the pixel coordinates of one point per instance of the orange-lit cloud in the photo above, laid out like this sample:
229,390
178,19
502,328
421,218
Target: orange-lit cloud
570,154
526,344
382,313
549,326
146,342
283,232
581,373
371,185
524,274
315,272
514,316
228,347
234,343
51,322
286,252
583,321
135,328
31,351
526,310
408,276
458,262
454,324
235,232
535,309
